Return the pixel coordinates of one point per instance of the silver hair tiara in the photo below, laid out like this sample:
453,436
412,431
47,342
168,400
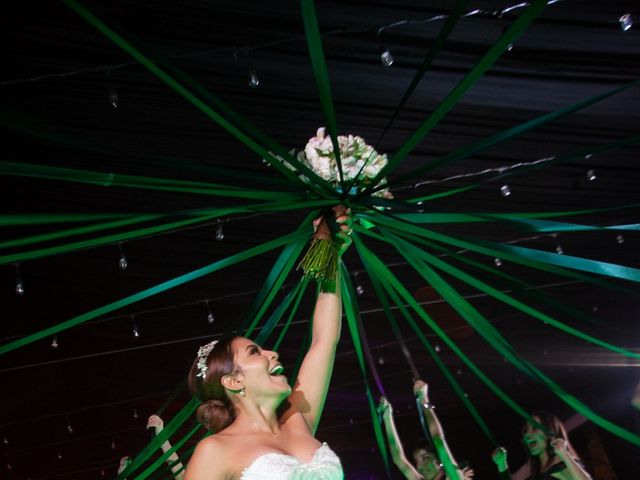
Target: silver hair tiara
203,353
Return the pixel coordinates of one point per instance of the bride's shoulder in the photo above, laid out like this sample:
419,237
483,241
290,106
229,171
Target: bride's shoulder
209,458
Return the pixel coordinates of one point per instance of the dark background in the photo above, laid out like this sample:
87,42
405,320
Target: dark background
104,382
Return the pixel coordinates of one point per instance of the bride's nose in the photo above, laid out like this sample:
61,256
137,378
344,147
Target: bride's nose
271,354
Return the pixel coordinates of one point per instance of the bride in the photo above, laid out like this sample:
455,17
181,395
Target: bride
262,428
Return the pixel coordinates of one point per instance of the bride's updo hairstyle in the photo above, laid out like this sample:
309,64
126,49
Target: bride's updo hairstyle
214,361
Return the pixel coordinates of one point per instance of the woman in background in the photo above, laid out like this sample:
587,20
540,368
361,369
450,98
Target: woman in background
428,465
550,452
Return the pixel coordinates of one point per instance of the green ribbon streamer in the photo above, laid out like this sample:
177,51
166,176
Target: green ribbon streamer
528,290
275,317
132,181
437,45
536,225
504,135
500,344
351,313
379,269
149,292
12,220
207,214
276,278
158,462
47,237
321,75
162,437
105,240
293,311
461,88
256,133
377,283
568,261
503,297
178,88
487,248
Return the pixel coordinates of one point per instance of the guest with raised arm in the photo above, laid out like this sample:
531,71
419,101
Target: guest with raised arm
427,463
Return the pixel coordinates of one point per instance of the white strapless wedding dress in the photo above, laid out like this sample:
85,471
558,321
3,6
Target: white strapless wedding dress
324,465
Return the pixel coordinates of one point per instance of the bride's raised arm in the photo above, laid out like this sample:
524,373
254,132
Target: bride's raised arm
310,388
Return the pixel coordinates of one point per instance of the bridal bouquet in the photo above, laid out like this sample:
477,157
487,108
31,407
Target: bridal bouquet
360,163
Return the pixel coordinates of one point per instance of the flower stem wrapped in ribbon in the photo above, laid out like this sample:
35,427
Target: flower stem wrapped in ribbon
330,240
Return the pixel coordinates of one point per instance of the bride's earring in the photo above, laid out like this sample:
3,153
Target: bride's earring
243,392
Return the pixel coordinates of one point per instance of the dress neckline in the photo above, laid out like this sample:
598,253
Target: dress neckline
278,454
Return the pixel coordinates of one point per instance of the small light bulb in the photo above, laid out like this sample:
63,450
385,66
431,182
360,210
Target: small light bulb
419,203
595,308
136,332
113,444
122,262
509,47
459,372
54,342
9,467
210,318
69,428
591,175
19,286
219,232
113,96
5,440
626,22
497,261
559,250
136,415
386,58
359,289
254,81
437,348
102,472
505,191
59,455
620,239
381,361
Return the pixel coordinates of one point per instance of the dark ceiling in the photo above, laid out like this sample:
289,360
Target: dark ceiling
55,91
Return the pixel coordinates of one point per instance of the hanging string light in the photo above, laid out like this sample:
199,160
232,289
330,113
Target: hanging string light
437,348
69,427
113,91
19,284
135,331
497,261
54,342
219,232
386,57
59,453
254,80
210,318
136,415
559,249
113,444
591,175
505,190
620,239
626,22
122,261
359,287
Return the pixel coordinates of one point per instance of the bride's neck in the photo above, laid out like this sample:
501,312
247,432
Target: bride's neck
258,418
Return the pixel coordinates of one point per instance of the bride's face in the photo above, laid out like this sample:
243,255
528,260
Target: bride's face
261,370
